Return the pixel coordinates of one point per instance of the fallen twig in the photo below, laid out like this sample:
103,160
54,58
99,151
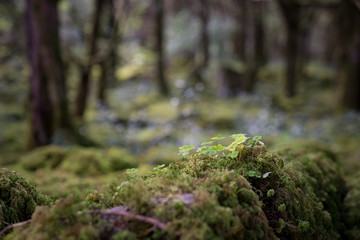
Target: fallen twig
116,212
19,224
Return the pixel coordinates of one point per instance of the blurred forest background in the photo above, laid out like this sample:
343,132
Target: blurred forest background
93,87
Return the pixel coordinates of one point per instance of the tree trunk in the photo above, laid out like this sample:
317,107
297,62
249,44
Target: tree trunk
159,46
83,89
204,19
108,63
258,54
240,34
348,56
292,15
41,114
47,73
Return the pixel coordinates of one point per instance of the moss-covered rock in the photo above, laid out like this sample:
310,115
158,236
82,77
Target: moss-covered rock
352,209
61,221
43,157
18,198
253,194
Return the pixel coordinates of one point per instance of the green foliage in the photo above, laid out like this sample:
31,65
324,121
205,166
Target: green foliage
233,150
18,198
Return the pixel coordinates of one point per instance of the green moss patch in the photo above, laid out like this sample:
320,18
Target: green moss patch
43,157
18,198
240,191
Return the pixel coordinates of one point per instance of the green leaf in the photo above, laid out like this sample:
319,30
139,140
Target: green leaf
186,148
219,137
238,140
251,173
212,153
257,138
239,137
207,143
219,147
233,154
131,170
159,167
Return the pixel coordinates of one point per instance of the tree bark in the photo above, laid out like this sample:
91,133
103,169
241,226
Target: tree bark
348,56
240,34
204,43
291,11
47,114
108,62
258,58
160,46
83,89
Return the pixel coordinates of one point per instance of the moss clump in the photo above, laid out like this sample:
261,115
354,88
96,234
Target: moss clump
119,159
18,198
61,221
320,171
253,194
84,162
43,157
164,154
92,161
352,209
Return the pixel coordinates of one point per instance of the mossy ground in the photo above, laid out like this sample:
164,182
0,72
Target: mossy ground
260,194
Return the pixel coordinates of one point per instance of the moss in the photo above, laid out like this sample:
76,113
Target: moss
352,210
320,170
119,159
163,154
220,114
84,162
62,221
18,198
215,197
43,157
93,162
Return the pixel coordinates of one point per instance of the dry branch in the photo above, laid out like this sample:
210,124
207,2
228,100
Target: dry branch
19,224
121,213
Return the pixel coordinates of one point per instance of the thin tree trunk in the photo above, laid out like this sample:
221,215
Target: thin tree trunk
159,46
204,19
258,53
83,89
101,96
348,56
240,34
41,116
292,15
108,63
291,61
